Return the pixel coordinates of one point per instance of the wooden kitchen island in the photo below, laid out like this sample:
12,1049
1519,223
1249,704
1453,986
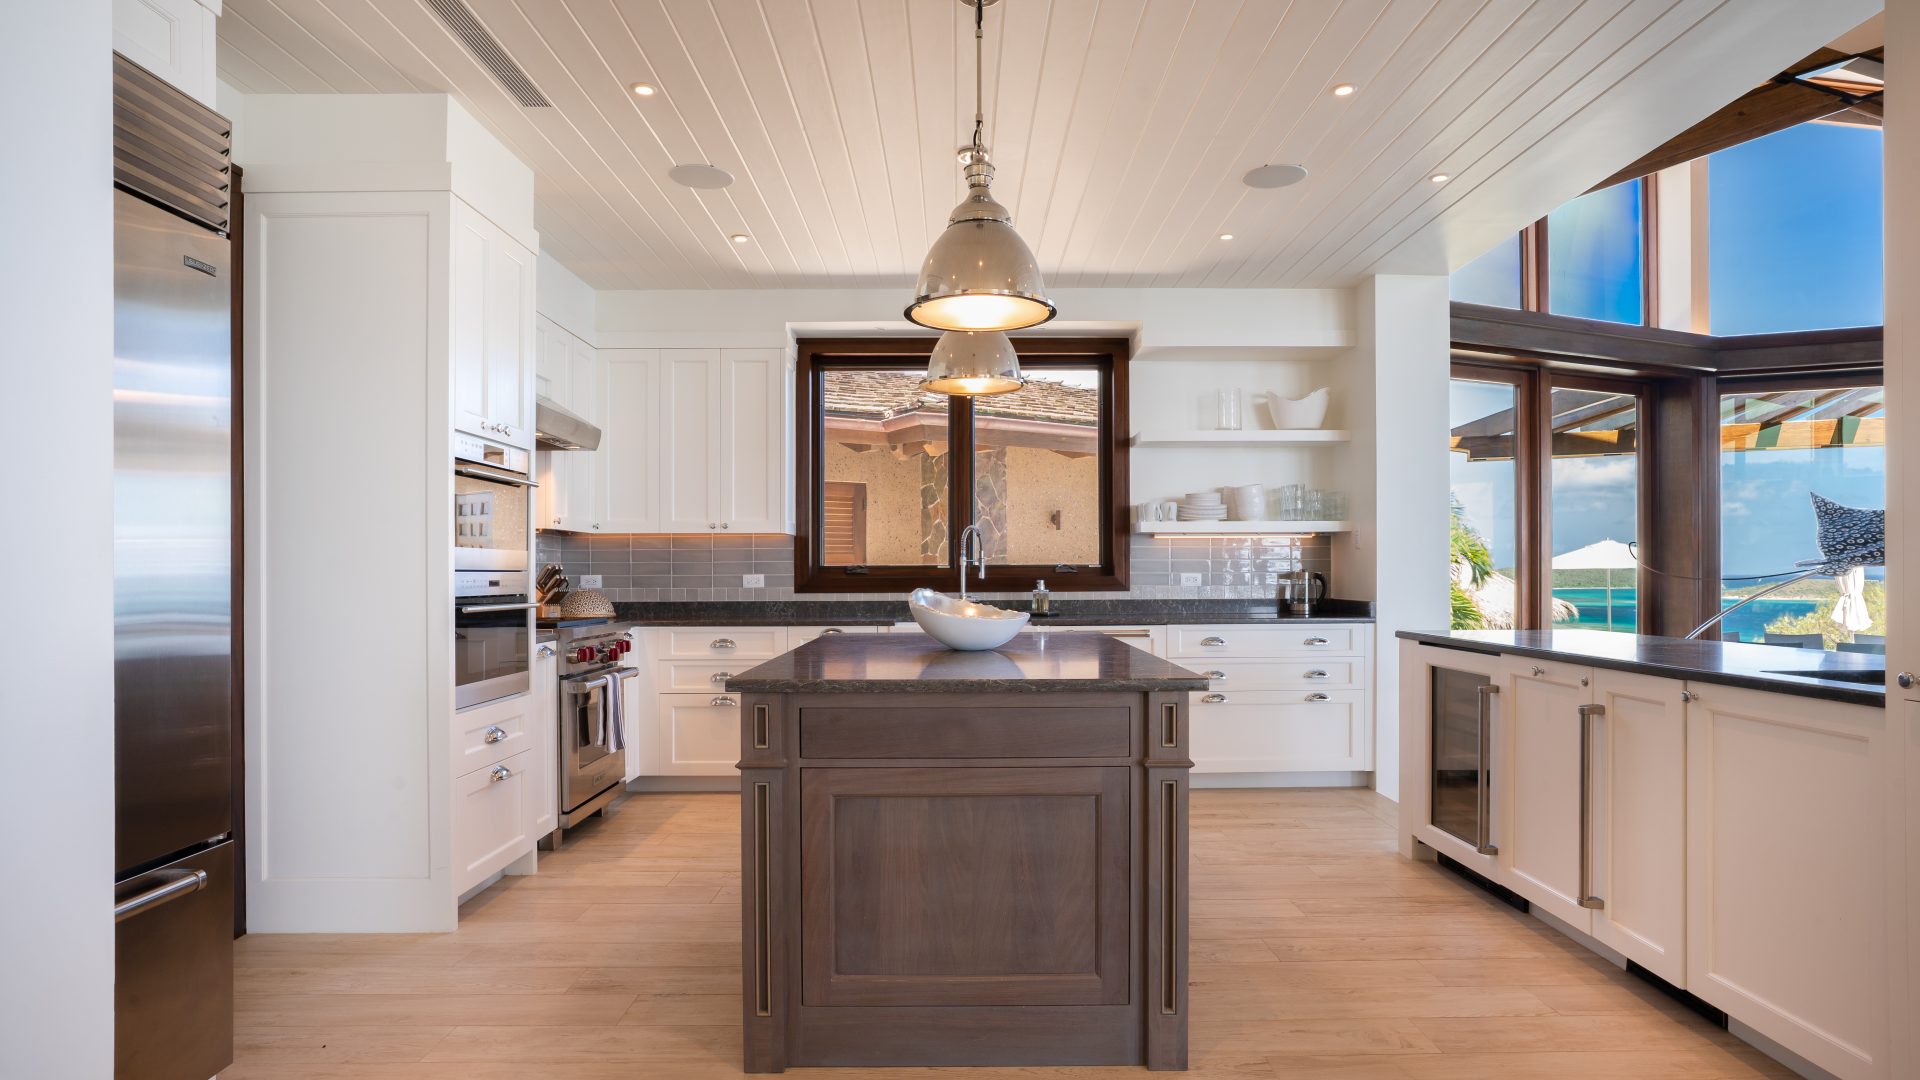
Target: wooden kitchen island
964,858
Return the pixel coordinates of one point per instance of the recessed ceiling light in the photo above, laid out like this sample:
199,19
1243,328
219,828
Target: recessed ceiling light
1274,176
739,238
1345,89
700,176
1439,178
641,89
1226,236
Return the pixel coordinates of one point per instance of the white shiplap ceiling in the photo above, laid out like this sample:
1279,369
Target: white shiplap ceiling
1120,128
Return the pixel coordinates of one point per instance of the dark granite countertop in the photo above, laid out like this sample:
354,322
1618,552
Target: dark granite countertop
1727,663
917,664
1066,612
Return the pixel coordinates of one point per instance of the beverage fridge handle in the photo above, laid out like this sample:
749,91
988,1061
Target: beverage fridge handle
1587,713
181,883
1483,830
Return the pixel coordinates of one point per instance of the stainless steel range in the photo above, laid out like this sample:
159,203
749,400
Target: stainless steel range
592,720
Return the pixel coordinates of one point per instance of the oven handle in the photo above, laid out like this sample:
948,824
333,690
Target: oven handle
474,472
483,609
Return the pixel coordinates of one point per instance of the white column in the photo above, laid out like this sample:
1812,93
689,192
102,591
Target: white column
56,684
1902,246
1397,553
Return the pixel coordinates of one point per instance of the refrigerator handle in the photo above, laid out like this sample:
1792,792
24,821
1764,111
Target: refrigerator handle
178,884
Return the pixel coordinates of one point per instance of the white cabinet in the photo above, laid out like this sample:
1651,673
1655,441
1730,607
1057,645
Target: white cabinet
1144,638
581,470
1547,711
1638,787
544,789
174,39
688,387
1277,705
628,465
688,725
699,734
491,819
550,368
636,699
724,431
1787,863
492,330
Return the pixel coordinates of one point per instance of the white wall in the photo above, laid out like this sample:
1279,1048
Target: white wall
1397,553
1902,233
56,699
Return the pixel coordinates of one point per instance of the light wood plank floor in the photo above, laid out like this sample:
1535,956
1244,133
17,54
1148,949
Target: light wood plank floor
1317,952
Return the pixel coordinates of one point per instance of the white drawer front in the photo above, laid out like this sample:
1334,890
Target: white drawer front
693,677
1249,640
492,732
800,635
699,733
1144,638
1278,731
723,643
490,816
1331,673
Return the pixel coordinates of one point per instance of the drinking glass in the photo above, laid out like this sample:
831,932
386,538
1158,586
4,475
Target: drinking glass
1290,502
1316,505
1229,410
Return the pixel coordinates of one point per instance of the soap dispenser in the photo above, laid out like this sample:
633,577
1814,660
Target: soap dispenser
1042,599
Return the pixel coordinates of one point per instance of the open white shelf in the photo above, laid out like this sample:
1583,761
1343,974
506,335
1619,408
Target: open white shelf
1240,528
1298,437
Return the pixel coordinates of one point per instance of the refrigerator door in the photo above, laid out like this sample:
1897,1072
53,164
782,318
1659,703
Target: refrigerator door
172,497
173,970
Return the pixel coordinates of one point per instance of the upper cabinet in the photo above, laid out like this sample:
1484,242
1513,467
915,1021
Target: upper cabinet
629,464
493,331
174,39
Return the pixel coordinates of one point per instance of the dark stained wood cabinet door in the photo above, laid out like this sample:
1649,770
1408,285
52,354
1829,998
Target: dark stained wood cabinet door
965,886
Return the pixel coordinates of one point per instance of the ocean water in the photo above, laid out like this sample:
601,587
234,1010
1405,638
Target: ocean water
1749,622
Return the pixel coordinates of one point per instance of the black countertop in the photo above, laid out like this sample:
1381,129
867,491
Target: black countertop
917,664
1066,612
1727,663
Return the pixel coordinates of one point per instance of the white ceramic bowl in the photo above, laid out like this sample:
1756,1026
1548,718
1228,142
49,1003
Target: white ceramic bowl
966,625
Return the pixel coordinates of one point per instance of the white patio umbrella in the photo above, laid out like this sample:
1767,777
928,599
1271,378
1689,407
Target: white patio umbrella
1608,555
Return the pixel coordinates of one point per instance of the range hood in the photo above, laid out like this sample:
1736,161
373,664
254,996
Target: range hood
554,428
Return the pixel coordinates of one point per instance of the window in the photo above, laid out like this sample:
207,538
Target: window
1793,231
1596,256
1595,483
1779,443
1492,279
1482,407
889,474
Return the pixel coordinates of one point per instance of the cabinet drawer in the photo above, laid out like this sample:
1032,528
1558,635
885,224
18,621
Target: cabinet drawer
800,635
1244,640
490,816
1278,731
693,677
699,735
723,643
1331,673
1144,638
492,732
893,732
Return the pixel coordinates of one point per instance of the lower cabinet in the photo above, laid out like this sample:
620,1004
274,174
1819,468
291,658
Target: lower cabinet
698,735
1279,731
544,798
491,819
1787,860
1638,808
1548,803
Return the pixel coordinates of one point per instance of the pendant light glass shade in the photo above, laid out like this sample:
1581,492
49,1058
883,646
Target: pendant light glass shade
979,275
973,365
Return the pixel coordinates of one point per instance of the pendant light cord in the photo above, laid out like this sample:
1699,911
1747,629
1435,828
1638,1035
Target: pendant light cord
979,66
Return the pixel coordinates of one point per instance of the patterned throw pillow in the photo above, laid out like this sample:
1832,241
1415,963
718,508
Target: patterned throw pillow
1848,536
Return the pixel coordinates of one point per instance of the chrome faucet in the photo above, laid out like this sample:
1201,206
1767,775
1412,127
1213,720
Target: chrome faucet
979,556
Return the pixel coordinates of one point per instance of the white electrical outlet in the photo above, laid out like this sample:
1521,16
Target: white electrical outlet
753,581
589,581
1189,579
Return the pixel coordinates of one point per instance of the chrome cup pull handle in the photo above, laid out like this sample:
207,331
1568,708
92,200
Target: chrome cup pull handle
1217,676
1214,699
723,700
721,676
1213,641
1319,697
1316,673
724,643
499,773
1316,641
831,630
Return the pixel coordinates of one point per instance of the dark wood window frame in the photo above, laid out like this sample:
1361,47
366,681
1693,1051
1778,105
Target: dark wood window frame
818,356
1534,263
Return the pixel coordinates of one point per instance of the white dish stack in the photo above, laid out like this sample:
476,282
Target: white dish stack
1203,506
1249,502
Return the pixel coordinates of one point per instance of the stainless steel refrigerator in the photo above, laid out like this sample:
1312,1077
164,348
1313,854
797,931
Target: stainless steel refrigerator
173,647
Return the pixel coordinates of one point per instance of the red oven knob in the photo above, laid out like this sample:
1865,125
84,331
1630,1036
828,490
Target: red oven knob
626,646
583,655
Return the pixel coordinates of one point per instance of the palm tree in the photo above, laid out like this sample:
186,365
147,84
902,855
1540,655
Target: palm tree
1473,562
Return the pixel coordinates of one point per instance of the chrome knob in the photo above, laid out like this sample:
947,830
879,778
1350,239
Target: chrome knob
1318,697
1213,641
1316,641
556,521
1905,679
723,700
495,734
546,650
721,676
1688,696
1538,671
724,643
499,773
1214,699
726,524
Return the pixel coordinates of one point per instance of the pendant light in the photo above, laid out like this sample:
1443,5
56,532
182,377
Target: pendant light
973,364
979,275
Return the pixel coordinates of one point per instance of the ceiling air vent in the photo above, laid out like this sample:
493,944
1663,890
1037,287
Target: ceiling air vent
486,48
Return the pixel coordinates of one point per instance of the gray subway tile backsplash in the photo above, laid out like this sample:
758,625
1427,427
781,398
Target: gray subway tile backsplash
700,567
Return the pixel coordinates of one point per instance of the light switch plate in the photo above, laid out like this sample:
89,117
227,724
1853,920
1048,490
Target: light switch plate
1189,579
753,581
589,581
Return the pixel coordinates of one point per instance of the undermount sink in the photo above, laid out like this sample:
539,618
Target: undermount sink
966,625
1869,676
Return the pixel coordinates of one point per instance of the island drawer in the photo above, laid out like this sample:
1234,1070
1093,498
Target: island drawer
891,731
1318,673
723,643
1242,640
